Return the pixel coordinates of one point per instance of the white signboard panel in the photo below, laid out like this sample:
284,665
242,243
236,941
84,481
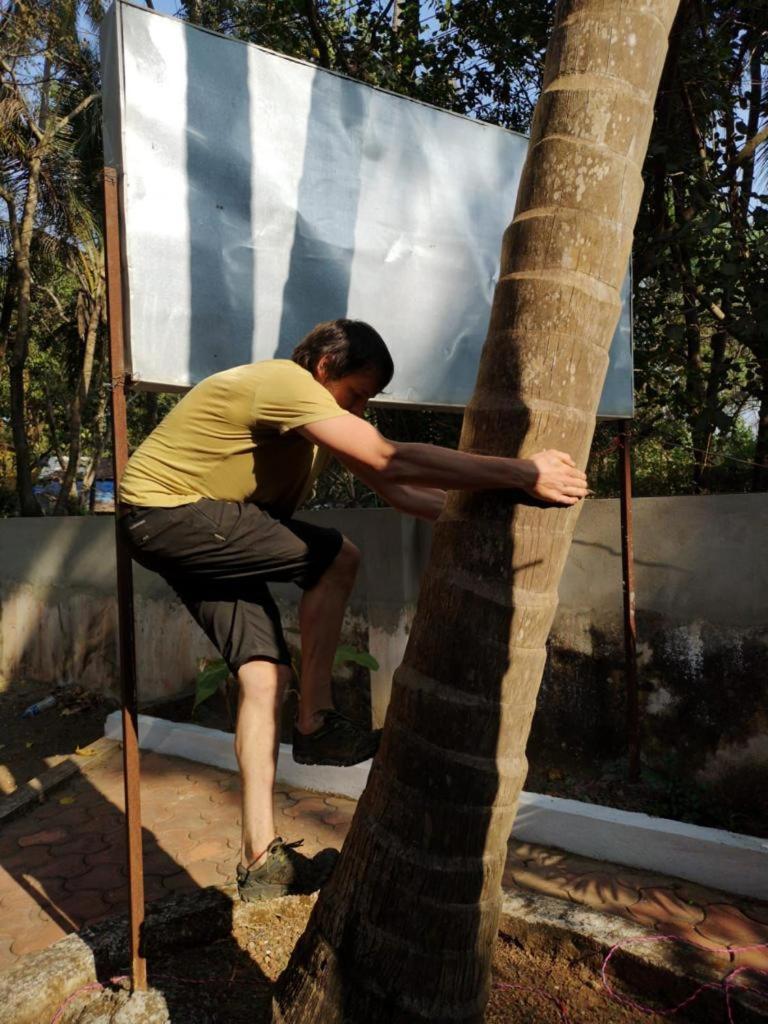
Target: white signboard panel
263,195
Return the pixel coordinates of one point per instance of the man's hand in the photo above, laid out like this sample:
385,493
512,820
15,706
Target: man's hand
556,479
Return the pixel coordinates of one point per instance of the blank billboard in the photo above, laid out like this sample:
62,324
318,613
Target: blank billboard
262,195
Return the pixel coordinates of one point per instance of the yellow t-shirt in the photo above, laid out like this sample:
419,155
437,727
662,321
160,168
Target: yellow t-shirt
231,438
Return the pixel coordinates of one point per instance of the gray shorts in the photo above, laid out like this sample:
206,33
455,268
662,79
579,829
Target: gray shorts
219,556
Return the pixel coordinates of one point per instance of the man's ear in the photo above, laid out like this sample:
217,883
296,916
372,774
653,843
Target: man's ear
321,369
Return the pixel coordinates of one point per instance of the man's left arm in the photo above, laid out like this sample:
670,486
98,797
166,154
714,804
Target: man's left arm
422,502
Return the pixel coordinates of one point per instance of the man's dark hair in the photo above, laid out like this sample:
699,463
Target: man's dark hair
350,345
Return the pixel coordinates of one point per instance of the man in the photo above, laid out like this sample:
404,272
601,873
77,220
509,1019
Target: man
207,502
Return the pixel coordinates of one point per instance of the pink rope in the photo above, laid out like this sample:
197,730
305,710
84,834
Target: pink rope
725,985
92,986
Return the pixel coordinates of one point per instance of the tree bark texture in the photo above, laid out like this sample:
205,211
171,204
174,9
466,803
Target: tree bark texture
77,407
404,930
17,354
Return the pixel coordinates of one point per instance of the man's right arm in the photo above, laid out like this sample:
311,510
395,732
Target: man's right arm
550,476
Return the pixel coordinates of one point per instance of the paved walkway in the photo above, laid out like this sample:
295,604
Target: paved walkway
62,861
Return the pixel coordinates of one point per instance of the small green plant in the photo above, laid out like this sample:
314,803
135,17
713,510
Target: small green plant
346,655
214,676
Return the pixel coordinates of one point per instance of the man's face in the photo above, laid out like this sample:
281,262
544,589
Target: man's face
352,392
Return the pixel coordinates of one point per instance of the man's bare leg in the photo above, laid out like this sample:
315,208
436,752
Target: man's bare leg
261,686
321,613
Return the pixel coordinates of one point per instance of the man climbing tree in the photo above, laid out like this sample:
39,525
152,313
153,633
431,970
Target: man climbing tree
207,501
404,929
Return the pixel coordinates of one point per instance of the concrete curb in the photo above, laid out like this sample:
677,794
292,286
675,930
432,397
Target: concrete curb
668,971
36,790
712,857
32,990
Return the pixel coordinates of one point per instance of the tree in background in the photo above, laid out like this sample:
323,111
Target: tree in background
483,59
52,279
701,266
404,929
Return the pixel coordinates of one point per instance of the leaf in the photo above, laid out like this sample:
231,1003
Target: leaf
346,655
66,800
711,220
209,680
29,744
85,752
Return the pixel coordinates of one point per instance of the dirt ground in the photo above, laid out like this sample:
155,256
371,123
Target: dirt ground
30,745
229,981
532,988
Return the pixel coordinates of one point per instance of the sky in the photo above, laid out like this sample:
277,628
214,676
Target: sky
166,6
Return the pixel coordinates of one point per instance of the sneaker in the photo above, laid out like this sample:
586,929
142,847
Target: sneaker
339,741
285,872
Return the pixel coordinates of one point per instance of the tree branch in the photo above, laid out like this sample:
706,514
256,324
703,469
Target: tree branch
748,149
64,121
54,298
698,138
317,33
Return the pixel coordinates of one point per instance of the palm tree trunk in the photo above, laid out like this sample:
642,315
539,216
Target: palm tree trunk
77,407
88,493
17,354
404,930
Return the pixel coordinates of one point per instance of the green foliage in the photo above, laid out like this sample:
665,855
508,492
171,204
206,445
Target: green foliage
663,462
211,678
51,275
701,263
482,59
346,655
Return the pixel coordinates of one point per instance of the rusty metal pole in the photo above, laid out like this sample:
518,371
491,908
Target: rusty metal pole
124,582
628,588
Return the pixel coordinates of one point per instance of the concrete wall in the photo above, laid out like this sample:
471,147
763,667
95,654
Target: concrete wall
702,600
702,566
58,605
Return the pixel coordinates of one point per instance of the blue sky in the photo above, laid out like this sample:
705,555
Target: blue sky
166,6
